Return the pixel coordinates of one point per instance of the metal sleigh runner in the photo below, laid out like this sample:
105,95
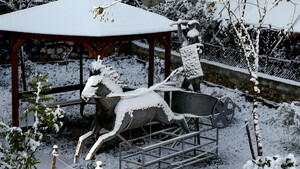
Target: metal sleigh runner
118,111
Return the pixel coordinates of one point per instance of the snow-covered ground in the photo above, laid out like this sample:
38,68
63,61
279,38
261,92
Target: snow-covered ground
233,154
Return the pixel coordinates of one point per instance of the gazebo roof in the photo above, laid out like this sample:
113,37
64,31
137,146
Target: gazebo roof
75,18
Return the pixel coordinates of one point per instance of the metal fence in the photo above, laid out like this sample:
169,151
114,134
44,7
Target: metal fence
278,67
282,68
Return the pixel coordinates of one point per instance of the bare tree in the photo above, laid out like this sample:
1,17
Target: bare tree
15,5
249,42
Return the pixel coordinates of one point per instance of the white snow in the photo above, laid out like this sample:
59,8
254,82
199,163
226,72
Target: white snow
96,65
142,102
75,17
275,162
193,33
34,144
276,137
99,164
90,89
190,60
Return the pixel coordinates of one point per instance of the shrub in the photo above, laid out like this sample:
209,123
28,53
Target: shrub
17,147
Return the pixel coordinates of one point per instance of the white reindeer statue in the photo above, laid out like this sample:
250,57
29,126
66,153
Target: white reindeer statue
118,111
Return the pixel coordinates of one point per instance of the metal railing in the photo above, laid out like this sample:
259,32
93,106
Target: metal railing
232,56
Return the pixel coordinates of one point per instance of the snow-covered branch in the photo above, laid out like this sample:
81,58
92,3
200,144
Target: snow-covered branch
9,5
101,10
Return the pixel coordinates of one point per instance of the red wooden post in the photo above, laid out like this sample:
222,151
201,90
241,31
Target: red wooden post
167,64
151,63
14,78
15,45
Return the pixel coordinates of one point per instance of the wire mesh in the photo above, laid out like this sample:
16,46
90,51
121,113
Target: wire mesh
282,68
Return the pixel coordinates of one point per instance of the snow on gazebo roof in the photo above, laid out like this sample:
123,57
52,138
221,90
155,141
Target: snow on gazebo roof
75,18
278,18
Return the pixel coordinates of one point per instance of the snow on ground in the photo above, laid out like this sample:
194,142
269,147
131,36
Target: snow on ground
232,154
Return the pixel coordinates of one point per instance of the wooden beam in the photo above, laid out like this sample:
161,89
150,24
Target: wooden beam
90,49
16,46
151,62
164,42
54,90
105,49
133,37
90,39
81,39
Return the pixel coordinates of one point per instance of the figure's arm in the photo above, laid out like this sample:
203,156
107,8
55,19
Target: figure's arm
179,33
181,37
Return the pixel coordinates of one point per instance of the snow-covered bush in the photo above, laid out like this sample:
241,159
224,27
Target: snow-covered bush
17,147
289,116
276,162
181,9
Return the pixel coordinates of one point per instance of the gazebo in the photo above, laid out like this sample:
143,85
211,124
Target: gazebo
72,20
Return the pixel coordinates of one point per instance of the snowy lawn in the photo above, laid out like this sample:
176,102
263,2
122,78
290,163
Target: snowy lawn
233,154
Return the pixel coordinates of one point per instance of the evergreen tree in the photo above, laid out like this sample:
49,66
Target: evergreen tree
17,147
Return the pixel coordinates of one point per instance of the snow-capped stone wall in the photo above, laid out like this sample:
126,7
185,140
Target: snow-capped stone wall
272,88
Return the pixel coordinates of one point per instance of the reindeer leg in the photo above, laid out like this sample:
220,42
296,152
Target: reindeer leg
103,138
110,135
180,121
177,119
81,141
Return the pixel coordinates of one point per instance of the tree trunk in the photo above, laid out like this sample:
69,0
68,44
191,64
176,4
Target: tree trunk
255,118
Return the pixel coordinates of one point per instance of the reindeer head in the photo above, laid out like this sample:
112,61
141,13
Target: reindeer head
103,80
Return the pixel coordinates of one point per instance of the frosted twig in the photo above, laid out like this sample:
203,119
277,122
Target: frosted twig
107,6
10,5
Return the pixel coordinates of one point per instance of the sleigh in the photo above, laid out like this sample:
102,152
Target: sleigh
170,147
118,111
192,104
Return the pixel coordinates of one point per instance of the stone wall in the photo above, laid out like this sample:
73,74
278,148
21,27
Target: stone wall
51,50
60,50
42,50
272,88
